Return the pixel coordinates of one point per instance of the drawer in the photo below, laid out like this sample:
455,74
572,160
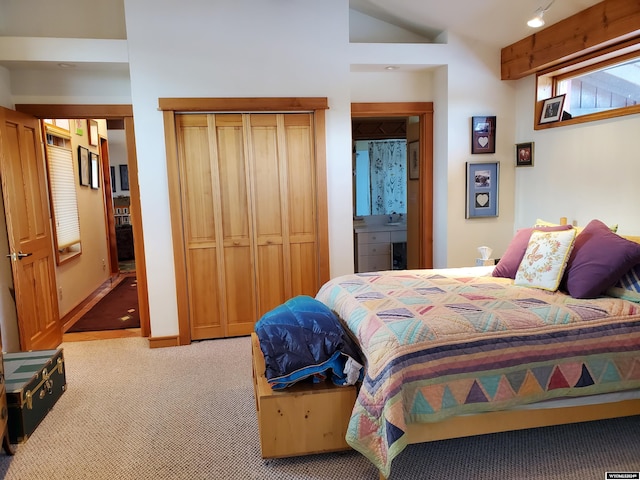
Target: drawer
375,249
374,237
398,236
374,263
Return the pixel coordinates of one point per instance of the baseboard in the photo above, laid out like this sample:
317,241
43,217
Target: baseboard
161,342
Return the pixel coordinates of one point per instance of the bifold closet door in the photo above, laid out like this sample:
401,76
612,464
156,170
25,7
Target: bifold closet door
249,217
284,189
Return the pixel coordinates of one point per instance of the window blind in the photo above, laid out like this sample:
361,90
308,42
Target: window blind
63,196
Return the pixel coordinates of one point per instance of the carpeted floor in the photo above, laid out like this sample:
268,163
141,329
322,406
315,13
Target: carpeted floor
117,310
131,412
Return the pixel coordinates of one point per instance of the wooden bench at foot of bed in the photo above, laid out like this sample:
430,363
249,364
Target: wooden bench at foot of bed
300,420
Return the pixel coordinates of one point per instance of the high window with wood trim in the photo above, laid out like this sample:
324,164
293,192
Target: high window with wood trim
601,85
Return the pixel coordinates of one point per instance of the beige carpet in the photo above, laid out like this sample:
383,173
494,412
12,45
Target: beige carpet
131,412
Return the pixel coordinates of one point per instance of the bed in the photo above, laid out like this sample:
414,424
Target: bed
458,352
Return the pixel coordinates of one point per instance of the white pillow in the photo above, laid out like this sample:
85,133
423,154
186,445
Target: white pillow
545,259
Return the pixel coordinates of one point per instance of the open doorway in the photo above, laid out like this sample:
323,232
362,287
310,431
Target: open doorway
119,117
411,123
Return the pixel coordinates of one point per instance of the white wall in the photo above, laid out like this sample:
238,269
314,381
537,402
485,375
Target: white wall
5,88
581,171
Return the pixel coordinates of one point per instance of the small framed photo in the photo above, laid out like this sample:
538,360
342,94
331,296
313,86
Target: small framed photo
93,133
414,160
95,171
524,154
552,109
124,177
84,169
482,189
483,134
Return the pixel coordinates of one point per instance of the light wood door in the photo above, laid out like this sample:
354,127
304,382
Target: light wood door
25,197
248,193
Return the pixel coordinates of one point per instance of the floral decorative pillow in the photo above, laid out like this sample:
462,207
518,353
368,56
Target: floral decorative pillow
545,259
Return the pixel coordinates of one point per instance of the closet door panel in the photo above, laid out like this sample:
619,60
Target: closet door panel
304,269
238,282
302,220
239,291
267,174
204,300
198,192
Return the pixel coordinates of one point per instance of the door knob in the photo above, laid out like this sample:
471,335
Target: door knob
18,256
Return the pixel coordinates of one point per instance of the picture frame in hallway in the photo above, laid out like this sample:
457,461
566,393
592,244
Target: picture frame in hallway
95,170
112,169
93,132
414,160
483,179
124,177
84,173
483,134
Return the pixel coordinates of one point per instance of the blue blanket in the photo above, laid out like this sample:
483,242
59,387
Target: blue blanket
301,339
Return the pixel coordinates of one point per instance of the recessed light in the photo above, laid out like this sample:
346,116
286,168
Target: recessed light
391,67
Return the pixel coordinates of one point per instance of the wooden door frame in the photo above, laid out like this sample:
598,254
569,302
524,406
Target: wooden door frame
112,112
424,112
171,106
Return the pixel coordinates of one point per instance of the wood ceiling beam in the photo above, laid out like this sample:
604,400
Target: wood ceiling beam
601,25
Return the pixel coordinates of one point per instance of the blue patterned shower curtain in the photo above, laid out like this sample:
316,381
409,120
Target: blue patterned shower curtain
388,165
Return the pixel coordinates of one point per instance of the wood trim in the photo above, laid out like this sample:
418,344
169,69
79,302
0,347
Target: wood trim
397,109
594,28
161,342
423,110
177,233
279,104
75,111
510,420
110,223
322,198
136,224
426,189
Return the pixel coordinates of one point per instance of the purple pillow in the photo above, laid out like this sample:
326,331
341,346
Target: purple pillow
508,265
598,260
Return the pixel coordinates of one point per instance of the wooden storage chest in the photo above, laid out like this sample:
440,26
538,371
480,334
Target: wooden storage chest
300,420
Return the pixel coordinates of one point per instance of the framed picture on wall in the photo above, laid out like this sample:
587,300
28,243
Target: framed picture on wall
483,134
93,132
414,160
95,170
124,177
113,178
524,154
482,189
83,166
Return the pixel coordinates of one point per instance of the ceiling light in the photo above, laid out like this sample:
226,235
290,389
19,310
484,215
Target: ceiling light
66,65
538,20
391,67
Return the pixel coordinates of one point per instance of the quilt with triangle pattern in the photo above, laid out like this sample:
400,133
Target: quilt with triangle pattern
439,343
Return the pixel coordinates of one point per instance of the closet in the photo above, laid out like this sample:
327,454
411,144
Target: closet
251,217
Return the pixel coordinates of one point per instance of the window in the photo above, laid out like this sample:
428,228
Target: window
62,190
602,85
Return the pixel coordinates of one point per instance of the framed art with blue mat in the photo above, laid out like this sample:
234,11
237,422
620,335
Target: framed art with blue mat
482,189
